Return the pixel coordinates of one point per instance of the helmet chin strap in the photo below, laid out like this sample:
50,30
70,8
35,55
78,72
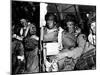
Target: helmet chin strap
92,32
71,31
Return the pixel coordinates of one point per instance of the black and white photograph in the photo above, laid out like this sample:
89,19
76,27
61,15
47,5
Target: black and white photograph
52,37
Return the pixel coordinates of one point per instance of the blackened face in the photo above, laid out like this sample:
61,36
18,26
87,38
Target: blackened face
50,22
33,29
70,25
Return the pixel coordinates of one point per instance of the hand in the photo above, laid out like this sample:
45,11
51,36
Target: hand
60,56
